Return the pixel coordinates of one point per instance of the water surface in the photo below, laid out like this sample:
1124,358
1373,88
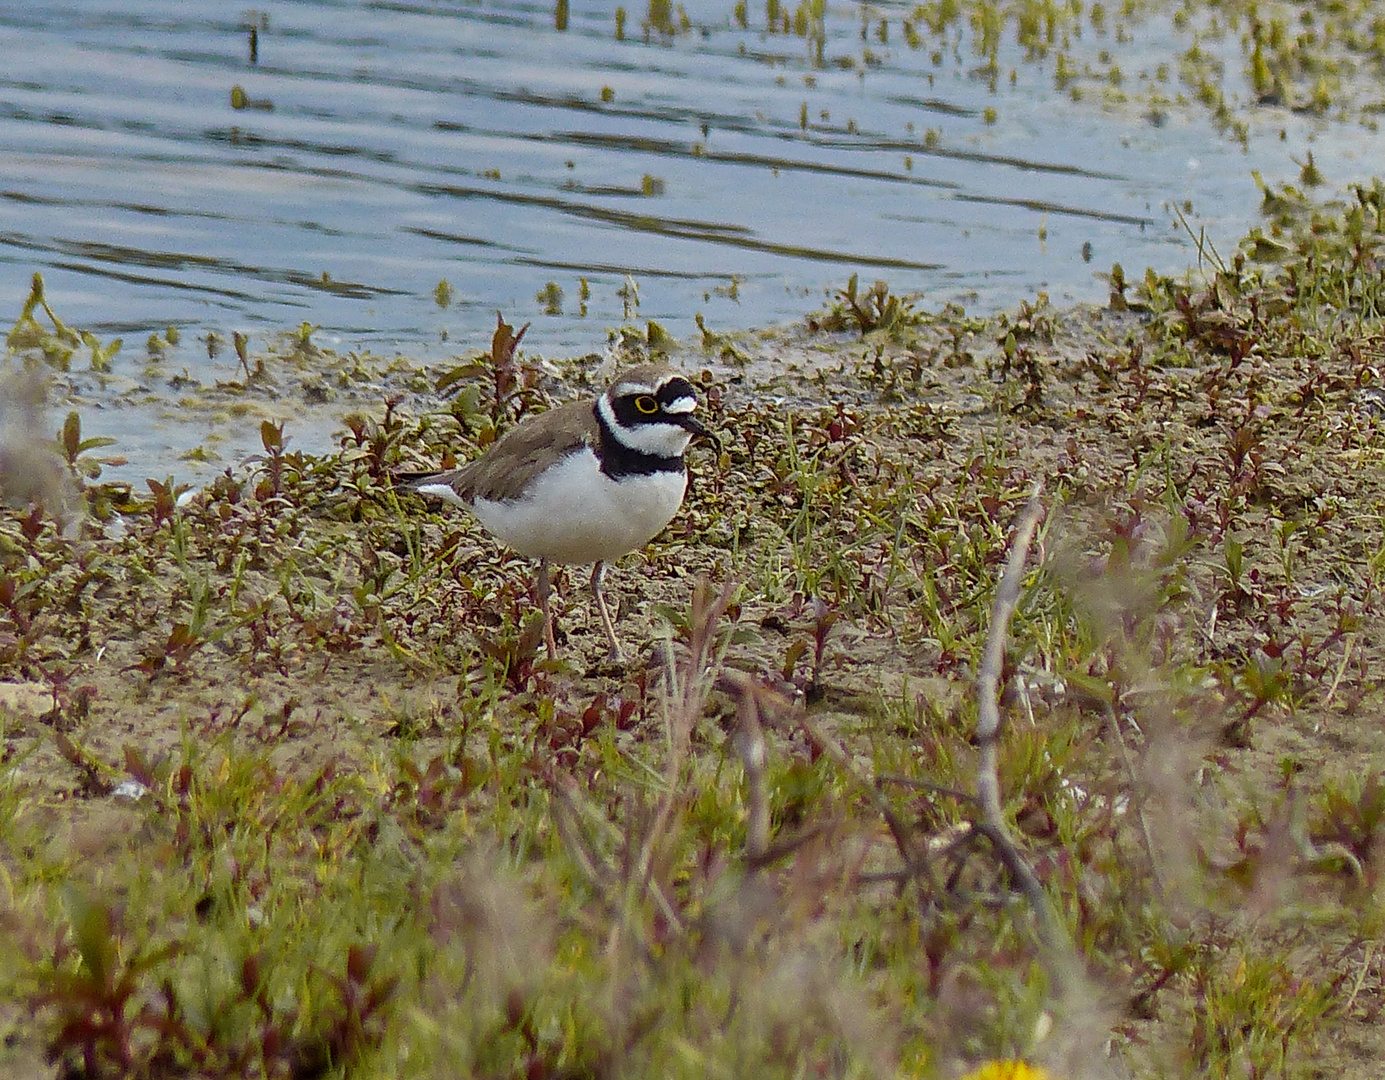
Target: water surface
720,169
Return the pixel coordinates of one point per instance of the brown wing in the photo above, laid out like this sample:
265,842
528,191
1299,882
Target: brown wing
506,469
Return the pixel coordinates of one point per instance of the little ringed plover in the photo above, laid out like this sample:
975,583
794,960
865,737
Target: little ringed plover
586,482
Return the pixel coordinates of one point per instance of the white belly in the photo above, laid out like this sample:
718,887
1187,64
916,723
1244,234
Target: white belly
577,514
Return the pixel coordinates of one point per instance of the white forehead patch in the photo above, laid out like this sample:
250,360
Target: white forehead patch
626,388
681,405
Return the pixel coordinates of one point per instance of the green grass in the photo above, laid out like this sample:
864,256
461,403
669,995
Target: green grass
380,834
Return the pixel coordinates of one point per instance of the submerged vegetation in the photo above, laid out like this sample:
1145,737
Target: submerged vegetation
289,788
1239,60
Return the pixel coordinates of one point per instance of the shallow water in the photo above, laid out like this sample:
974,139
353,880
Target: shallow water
726,171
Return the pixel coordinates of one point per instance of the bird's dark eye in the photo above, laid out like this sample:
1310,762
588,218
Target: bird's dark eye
646,405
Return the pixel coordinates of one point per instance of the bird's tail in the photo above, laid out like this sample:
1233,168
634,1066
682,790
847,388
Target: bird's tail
437,483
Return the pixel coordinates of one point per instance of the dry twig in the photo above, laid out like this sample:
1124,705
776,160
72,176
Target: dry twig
749,742
993,824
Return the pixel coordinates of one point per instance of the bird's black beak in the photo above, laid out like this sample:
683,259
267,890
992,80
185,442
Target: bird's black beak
688,422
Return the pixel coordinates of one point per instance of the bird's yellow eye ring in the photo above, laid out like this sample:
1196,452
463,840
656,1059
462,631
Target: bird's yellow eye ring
646,405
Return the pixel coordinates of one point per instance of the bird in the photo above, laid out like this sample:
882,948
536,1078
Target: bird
583,483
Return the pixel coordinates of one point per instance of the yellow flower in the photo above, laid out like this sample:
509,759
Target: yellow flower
1007,1070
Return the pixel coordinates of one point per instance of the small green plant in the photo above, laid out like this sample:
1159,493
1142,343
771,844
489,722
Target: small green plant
76,450
57,345
1232,989
629,293
241,343
511,381
118,1013
875,311
550,298
1349,815
303,347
